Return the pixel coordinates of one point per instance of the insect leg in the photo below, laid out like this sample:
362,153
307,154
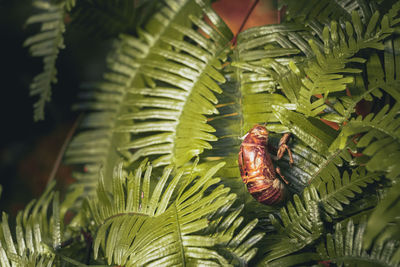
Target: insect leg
278,171
283,146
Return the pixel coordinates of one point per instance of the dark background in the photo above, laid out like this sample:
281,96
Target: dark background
28,150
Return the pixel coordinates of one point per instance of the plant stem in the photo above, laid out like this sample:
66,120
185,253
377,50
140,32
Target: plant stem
63,148
234,40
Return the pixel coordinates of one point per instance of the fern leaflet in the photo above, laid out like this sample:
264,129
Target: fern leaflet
301,225
174,217
157,93
47,44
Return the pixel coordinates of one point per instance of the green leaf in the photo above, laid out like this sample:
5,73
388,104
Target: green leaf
131,231
154,100
322,11
326,61
344,246
105,19
301,225
35,226
380,141
47,45
384,214
339,190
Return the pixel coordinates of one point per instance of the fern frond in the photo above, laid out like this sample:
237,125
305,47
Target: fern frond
235,249
324,75
106,19
385,213
314,162
301,225
326,62
319,66
345,247
340,46
134,223
327,10
69,4
382,75
260,55
385,75
154,101
46,44
380,141
251,103
337,192
302,259
36,235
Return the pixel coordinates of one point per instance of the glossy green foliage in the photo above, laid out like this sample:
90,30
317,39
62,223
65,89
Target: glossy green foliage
301,225
105,18
154,100
135,220
295,64
380,143
176,89
344,247
324,61
36,234
324,10
339,190
282,68
384,220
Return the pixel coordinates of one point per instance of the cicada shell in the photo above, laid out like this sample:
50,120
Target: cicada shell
257,169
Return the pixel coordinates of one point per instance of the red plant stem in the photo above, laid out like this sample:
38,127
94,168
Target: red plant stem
234,40
281,14
63,148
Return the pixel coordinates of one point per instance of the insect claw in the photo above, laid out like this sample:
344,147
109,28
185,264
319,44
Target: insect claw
278,171
282,150
283,147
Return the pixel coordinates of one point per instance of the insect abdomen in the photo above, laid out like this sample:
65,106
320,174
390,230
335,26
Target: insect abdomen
265,191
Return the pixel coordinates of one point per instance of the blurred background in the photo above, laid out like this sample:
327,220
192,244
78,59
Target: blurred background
28,150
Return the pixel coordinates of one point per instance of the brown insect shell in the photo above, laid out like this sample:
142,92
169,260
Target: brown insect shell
257,169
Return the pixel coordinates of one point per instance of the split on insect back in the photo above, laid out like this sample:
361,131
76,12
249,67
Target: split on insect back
257,169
